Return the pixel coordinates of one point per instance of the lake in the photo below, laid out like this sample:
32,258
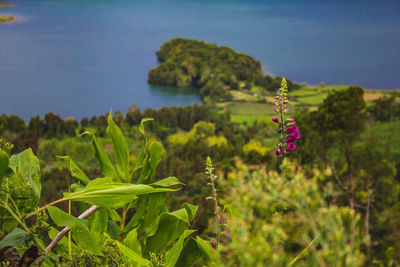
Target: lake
83,58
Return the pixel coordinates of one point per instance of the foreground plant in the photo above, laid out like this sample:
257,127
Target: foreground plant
153,235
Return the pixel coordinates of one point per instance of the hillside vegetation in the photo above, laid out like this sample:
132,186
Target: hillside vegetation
214,70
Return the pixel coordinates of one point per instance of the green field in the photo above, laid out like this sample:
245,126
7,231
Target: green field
245,108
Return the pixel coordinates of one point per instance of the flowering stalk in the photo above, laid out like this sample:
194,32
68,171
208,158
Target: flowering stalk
288,130
218,219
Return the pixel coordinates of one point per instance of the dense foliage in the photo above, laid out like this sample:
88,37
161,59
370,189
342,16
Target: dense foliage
214,70
345,168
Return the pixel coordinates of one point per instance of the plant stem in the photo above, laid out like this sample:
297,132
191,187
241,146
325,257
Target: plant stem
44,207
124,211
64,231
214,192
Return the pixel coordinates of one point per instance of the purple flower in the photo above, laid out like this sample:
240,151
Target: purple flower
278,152
295,135
212,244
275,119
228,235
291,147
292,129
219,219
291,139
275,108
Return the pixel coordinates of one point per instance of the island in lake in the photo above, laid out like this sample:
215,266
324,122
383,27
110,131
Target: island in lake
215,70
6,18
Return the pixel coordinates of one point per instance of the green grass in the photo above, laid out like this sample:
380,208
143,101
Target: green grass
250,119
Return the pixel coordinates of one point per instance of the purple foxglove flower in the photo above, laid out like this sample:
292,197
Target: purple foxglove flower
228,235
219,219
275,108
278,152
292,129
291,139
291,147
212,244
295,135
275,119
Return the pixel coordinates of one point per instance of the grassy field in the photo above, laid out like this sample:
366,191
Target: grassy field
245,107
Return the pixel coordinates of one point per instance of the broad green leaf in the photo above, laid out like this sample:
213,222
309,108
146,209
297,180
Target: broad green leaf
190,253
132,241
16,238
4,161
156,205
79,231
107,169
181,214
99,225
150,163
112,195
170,227
100,181
26,165
132,255
75,171
207,249
142,153
170,181
113,230
191,210
113,215
143,203
121,151
172,255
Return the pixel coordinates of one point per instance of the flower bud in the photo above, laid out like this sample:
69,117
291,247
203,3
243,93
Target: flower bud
275,119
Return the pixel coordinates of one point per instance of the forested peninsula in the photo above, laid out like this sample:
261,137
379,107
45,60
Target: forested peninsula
214,70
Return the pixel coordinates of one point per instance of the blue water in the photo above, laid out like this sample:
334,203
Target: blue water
83,57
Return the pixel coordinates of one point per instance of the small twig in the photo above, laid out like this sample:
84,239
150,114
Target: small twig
64,231
337,177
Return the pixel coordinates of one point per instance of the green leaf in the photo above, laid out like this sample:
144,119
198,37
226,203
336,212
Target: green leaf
150,163
139,215
155,206
190,253
112,195
132,241
121,151
191,210
142,153
26,166
79,231
75,171
207,249
4,161
132,255
16,238
107,169
99,225
170,181
172,255
113,215
170,227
